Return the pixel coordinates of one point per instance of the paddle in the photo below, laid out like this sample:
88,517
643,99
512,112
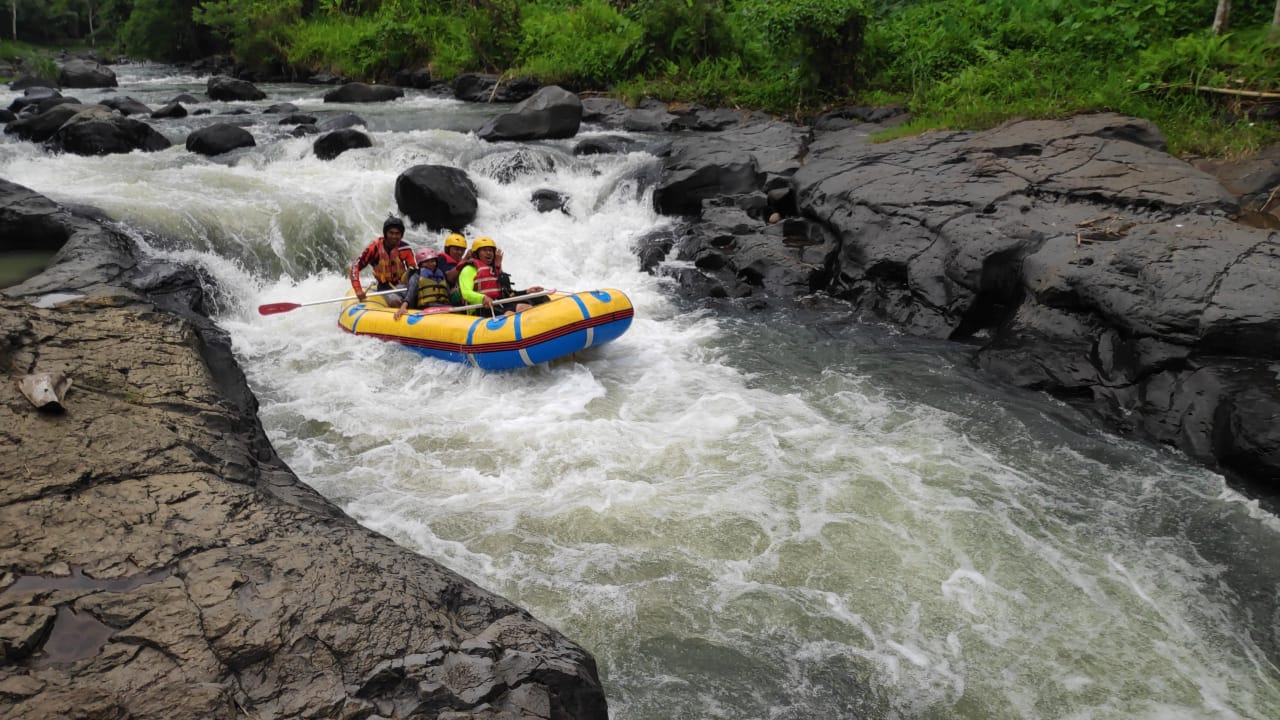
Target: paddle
442,309
284,307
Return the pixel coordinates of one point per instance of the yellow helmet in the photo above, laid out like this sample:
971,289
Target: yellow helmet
482,242
455,240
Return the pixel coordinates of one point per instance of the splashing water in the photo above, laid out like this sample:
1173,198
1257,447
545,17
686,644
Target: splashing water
740,517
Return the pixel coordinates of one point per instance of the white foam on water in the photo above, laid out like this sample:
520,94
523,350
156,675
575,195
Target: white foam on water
733,528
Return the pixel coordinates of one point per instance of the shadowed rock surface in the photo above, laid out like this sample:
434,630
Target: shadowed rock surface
1075,256
159,560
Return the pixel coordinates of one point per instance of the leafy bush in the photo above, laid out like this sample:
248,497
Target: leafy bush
160,29
591,43
822,41
258,30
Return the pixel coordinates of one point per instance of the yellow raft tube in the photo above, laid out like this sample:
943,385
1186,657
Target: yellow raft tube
563,325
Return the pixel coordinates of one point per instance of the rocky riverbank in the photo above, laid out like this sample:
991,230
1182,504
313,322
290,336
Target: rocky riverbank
159,560
1073,256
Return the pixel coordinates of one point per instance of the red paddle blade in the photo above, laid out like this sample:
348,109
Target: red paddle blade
276,308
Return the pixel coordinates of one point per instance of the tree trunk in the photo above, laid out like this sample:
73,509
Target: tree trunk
93,40
13,5
1222,17
1275,18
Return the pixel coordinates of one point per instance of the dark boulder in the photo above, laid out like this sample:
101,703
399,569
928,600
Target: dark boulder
31,97
30,220
97,130
86,74
546,200
343,120
333,144
127,106
218,139
607,145
298,119
40,127
476,87
436,195
418,78
551,113
30,81
172,110
285,108
223,88
358,92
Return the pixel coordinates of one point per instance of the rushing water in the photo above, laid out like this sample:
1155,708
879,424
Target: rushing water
741,517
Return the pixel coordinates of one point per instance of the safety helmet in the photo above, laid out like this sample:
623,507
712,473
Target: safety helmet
425,254
455,240
392,222
482,242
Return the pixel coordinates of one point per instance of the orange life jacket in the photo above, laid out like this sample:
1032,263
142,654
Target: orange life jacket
388,267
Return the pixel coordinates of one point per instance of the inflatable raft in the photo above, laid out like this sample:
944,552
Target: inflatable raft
563,325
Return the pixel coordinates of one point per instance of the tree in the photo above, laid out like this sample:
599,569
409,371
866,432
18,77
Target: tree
1223,15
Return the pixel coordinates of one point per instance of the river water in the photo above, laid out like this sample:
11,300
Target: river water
739,516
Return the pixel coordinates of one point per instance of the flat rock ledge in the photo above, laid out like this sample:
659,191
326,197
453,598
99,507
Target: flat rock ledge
158,560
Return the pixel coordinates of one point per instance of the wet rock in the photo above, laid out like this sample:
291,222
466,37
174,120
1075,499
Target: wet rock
331,145
80,73
127,106
477,87
96,130
221,87
170,565
439,196
551,113
219,138
358,92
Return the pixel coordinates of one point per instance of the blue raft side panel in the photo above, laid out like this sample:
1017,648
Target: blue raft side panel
542,352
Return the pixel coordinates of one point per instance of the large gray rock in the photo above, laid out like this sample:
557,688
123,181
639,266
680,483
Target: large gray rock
221,87
551,113
331,145
439,196
86,74
358,92
39,127
478,87
161,561
219,138
1077,256
97,130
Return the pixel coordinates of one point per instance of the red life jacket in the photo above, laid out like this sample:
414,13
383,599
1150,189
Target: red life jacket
486,282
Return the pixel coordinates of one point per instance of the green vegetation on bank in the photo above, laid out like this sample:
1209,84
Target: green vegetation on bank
954,63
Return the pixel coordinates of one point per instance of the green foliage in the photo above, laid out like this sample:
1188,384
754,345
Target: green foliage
819,41
685,32
955,63
339,44
258,30
159,29
591,44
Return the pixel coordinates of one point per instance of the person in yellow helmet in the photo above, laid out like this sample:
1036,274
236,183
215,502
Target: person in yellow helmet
455,252
481,280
